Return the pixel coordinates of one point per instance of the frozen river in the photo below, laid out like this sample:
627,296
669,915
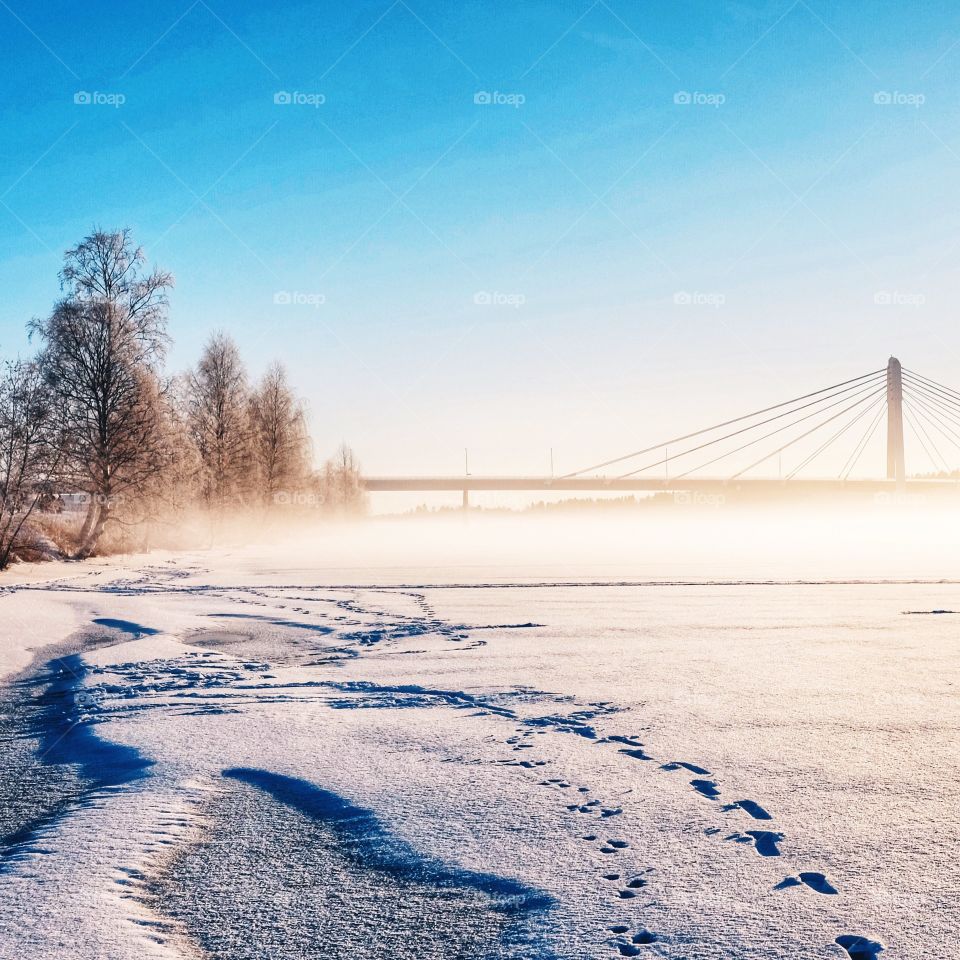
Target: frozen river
241,757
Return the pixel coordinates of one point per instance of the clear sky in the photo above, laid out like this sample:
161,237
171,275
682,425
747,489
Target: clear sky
659,214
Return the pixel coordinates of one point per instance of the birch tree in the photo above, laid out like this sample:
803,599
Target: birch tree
29,451
103,346
218,414
279,436
341,483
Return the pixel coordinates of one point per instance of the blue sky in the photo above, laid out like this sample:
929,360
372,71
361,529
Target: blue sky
510,275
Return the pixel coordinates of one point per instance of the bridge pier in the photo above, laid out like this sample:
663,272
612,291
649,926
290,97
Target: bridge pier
896,469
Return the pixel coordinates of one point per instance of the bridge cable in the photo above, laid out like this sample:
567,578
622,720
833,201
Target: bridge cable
843,394
858,451
934,407
907,418
931,417
950,437
948,422
816,453
932,383
922,422
806,434
950,411
941,419
766,436
942,395
945,409
911,417
718,426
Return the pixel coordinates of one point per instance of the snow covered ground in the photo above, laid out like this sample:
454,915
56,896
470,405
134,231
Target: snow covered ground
244,756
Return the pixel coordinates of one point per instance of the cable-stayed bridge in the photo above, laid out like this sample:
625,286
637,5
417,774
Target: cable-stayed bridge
835,423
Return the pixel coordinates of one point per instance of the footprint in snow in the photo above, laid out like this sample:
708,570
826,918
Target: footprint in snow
707,788
635,883
683,765
815,881
614,846
632,947
860,948
765,841
632,747
748,806
627,741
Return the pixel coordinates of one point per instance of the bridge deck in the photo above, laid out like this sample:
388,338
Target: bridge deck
635,485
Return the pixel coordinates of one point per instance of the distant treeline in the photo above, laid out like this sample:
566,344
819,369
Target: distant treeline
97,441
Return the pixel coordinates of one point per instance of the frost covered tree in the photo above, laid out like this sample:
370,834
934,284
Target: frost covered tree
102,348
218,415
341,484
164,494
30,451
279,433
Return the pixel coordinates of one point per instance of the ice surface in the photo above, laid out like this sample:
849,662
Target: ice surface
232,758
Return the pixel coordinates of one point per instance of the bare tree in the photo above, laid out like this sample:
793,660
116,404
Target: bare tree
218,413
341,484
166,491
103,345
29,452
280,441
181,483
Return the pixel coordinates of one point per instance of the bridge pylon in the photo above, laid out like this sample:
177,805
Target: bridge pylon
896,469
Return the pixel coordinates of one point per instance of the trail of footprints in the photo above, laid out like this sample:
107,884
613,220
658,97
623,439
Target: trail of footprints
765,842
629,939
